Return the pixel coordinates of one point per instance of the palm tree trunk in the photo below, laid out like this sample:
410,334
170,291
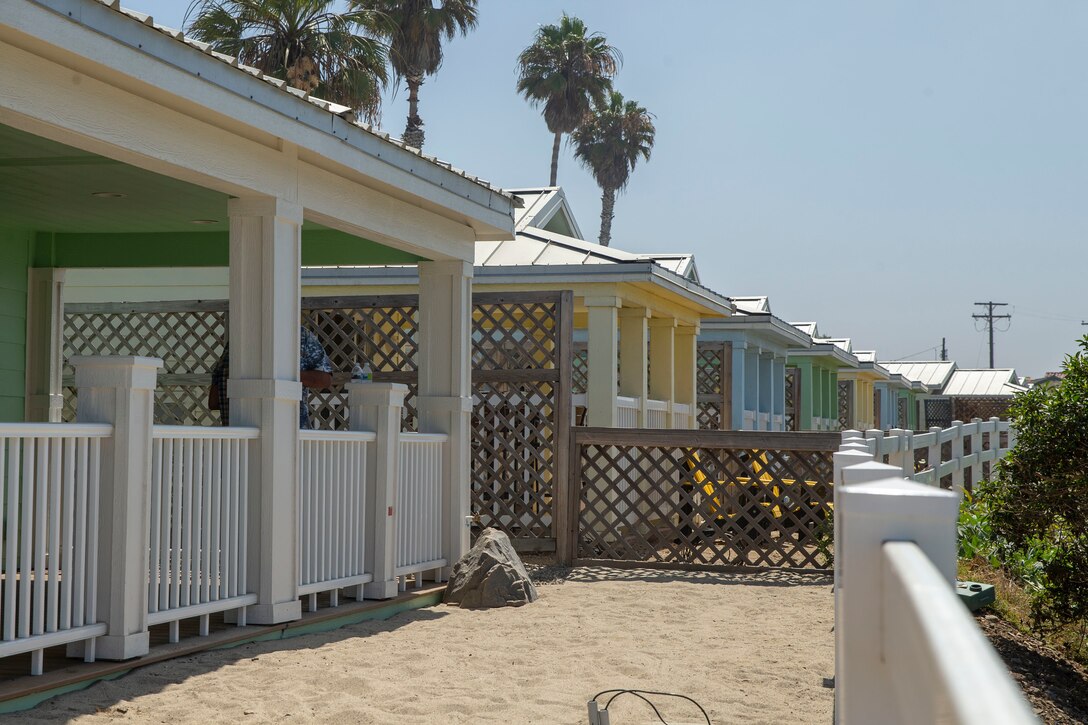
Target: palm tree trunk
413,131
555,157
608,209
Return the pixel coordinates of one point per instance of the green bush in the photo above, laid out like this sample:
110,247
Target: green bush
1036,507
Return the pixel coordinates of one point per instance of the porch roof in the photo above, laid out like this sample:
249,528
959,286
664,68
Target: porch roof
826,352
157,103
753,315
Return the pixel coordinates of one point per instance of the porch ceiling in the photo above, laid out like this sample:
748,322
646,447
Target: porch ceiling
50,187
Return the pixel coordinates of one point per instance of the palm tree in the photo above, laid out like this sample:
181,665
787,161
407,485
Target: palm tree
417,29
566,69
609,144
337,56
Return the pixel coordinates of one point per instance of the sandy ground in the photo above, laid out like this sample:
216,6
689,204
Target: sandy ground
750,649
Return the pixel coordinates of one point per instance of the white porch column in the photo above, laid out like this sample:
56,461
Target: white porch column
684,374
121,391
44,345
264,391
663,362
444,399
602,386
766,387
379,407
634,348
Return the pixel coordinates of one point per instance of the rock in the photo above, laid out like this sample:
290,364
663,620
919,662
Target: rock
490,575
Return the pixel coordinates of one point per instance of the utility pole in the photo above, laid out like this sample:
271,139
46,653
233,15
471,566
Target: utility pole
944,350
990,317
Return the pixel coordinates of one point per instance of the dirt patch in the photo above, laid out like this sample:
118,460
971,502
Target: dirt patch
1056,687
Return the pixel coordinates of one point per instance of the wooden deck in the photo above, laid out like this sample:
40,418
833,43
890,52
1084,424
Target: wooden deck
20,691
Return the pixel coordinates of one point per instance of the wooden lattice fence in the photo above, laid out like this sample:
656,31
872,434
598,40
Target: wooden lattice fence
793,398
733,499
712,381
521,380
938,412
984,408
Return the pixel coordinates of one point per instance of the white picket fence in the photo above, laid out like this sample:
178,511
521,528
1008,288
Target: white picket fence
51,486
419,506
332,512
973,445
906,649
199,520
657,414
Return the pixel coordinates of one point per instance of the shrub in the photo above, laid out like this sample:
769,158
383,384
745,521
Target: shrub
1038,502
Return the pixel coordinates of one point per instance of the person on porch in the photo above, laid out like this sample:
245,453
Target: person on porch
315,372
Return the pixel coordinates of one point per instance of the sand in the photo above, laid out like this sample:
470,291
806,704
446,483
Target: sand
750,649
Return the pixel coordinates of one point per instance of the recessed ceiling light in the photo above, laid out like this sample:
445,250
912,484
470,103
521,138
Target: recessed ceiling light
108,194
204,221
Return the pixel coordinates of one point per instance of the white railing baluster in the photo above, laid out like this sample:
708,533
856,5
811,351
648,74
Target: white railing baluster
9,447
67,529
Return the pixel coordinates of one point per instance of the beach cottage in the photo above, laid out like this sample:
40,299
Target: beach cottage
636,316
812,379
742,368
124,144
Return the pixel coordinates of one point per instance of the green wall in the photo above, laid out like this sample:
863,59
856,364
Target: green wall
14,258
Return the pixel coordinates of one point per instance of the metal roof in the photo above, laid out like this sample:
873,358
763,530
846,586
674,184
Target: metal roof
334,109
989,383
932,373
752,305
540,206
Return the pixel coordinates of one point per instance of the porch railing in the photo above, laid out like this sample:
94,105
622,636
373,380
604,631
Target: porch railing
681,416
657,414
627,412
332,512
199,521
51,484
419,505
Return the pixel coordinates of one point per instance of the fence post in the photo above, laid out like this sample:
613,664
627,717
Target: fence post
933,456
378,407
957,456
976,451
121,391
887,509
906,447
877,437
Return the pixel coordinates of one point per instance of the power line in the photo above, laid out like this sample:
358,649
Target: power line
990,317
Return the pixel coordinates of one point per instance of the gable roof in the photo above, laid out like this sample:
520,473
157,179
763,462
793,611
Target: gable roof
983,382
545,208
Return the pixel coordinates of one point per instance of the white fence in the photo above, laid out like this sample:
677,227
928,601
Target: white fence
906,649
199,520
419,505
973,445
50,477
332,512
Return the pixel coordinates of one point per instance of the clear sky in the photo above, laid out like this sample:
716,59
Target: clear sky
875,167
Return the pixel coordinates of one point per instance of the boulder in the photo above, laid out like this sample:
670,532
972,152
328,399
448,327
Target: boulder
490,575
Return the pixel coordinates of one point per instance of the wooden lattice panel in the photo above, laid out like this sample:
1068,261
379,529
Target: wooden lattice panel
521,414
708,369
747,505
846,404
709,415
580,370
793,398
970,408
938,413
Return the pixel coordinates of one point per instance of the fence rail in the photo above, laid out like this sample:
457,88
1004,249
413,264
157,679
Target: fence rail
954,457
419,505
732,499
199,520
51,487
906,649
